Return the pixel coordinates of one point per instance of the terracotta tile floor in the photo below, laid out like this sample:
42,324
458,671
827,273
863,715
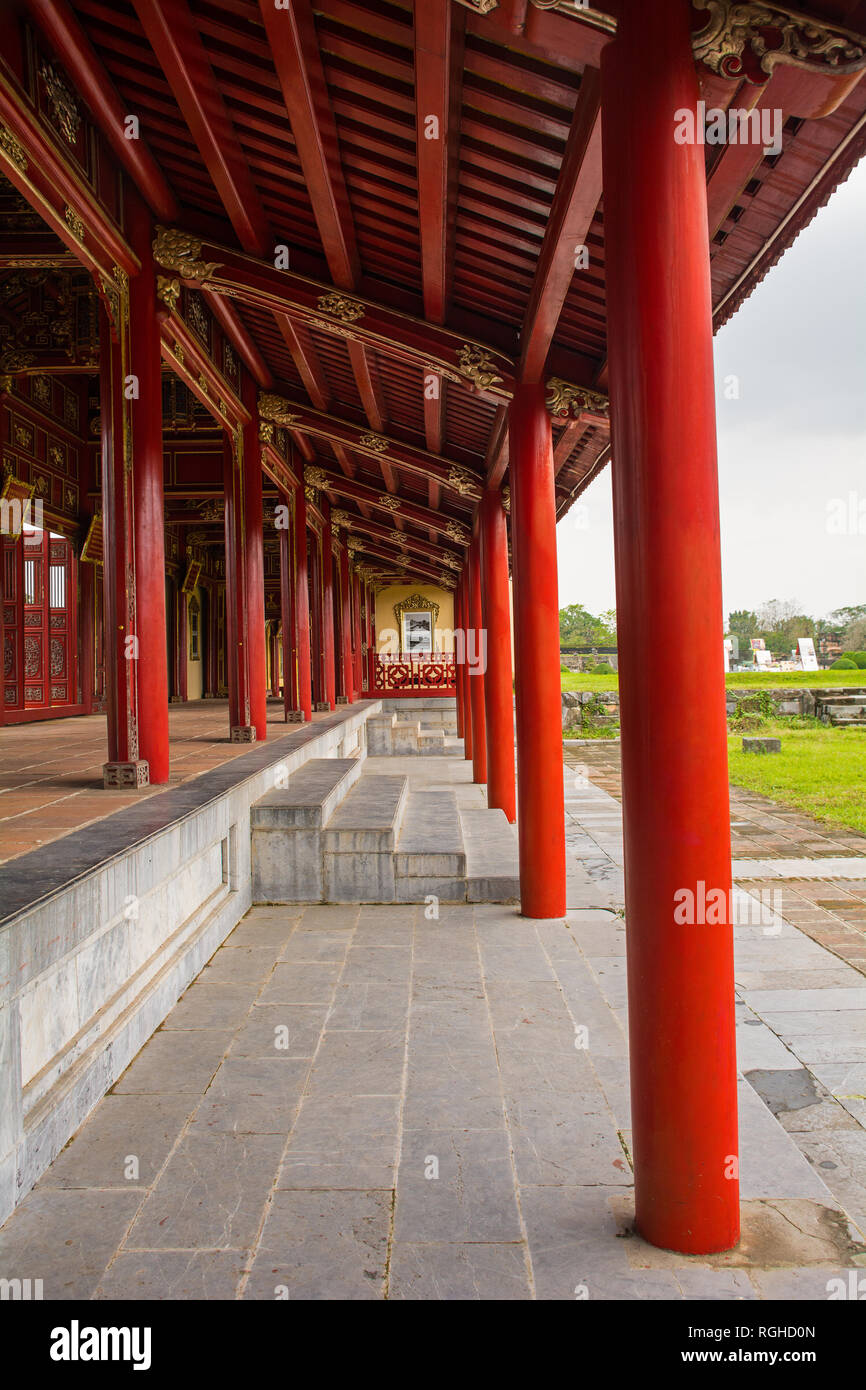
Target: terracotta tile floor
51,771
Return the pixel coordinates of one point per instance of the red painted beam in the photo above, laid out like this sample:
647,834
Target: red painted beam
578,192
174,37
65,35
241,340
292,37
438,66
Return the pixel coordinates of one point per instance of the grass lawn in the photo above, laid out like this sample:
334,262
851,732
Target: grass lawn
737,680
820,770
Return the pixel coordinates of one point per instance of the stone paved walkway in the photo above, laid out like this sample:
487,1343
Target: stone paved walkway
366,1103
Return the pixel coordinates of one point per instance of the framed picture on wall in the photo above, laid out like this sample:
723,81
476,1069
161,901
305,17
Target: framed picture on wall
418,632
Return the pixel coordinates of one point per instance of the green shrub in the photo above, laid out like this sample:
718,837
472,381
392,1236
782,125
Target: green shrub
859,659
603,669
843,663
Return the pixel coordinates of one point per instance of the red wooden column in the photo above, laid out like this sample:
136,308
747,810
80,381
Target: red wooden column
241,728
541,822
255,561
356,627
498,695
477,651
125,767
459,647
463,592
674,745
346,627
147,481
330,666
302,607
287,611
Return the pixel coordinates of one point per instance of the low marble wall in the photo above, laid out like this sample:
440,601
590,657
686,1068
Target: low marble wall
91,967
787,701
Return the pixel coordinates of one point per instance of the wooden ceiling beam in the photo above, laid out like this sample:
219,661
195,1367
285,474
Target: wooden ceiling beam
64,33
362,493
577,196
174,37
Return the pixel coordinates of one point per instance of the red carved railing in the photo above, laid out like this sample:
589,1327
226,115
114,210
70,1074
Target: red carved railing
425,674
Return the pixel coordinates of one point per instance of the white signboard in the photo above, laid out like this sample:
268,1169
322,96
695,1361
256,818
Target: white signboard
807,653
763,658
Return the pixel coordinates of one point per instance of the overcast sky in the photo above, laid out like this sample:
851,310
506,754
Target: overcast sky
793,447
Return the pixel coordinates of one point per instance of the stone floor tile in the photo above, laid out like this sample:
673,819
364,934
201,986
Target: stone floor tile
298,983
238,965
212,1007
322,1245
343,1142
175,1062
66,1239
358,1062
172,1275
472,1198
253,1095
280,1030
316,944
368,1005
123,1144
494,1273
211,1194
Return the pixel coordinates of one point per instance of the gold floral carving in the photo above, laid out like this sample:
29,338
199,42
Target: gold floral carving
277,410
12,148
506,500
390,503
462,482
63,105
316,477
748,40
415,603
181,252
456,532
563,398
477,364
74,222
266,432
168,290
339,306
374,442
340,518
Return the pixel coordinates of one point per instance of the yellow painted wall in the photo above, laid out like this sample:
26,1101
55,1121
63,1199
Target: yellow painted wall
195,669
387,631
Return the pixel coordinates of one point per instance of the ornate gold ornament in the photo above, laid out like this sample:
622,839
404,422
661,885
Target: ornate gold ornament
506,500
74,222
311,494
415,603
748,40
339,306
456,532
479,6
178,352
477,364
168,290
448,581
13,360
266,432
565,399
204,384
340,518
277,410
452,562
374,442
12,149
398,538
354,543
63,105
316,477
213,510
462,482
180,252
115,292
390,503
444,373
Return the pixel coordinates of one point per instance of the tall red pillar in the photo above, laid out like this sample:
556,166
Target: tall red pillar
330,668
477,651
541,821
147,482
346,627
125,767
356,627
459,648
241,729
302,607
255,562
498,694
674,745
463,658
287,610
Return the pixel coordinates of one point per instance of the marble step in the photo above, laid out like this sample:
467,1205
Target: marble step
359,842
286,830
310,796
492,867
430,857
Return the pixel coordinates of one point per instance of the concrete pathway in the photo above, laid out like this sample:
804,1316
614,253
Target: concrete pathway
370,1103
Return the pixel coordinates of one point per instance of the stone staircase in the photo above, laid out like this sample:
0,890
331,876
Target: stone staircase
387,736
842,710
338,834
